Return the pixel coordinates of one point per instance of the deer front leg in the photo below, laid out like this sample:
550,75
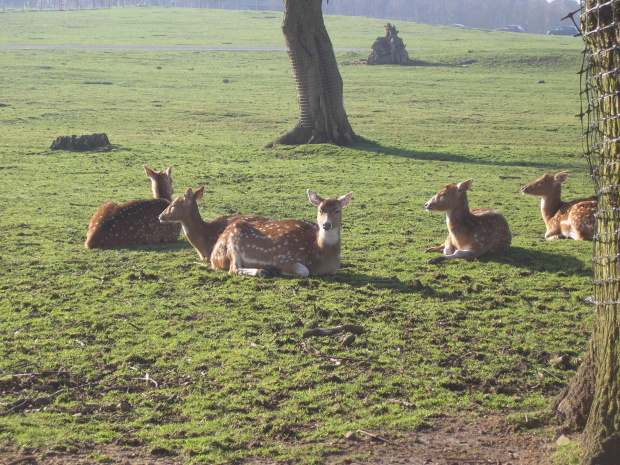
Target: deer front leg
553,237
294,269
462,254
446,248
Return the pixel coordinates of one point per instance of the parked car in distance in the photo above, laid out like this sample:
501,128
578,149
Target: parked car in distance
459,26
564,31
511,28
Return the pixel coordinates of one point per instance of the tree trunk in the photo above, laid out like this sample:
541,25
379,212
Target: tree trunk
595,391
322,118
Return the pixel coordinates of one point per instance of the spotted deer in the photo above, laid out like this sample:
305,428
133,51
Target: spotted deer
471,233
575,219
203,235
292,248
135,222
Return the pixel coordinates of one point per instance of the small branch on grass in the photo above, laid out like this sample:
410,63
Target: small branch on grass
355,329
401,402
83,205
29,458
150,380
472,461
373,436
318,353
203,264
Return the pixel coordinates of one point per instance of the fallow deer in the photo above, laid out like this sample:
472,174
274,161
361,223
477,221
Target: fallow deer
293,248
135,222
575,219
201,234
471,233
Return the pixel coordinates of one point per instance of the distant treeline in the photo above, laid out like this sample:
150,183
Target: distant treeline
537,16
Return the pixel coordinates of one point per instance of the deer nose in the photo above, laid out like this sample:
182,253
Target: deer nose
427,204
327,225
523,189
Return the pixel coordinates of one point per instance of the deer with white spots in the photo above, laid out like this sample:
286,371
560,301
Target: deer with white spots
135,222
575,219
293,248
203,235
471,233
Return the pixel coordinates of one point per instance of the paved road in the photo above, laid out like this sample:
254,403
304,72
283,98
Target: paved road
227,48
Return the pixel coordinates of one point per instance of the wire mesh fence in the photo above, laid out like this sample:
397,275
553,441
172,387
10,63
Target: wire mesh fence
600,117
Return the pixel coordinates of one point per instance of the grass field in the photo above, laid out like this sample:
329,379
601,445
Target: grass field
212,368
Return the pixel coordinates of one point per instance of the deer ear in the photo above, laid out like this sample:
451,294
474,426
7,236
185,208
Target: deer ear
149,172
169,171
314,198
198,193
189,193
345,199
465,185
561,176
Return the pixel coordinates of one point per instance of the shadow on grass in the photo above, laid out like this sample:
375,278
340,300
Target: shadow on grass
537,260
372,146
359,280
157,247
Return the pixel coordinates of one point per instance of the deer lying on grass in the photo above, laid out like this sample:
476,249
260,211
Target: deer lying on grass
574,219
135,222
294,248
201,234
471,233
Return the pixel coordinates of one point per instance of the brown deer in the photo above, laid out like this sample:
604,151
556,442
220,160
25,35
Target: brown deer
203,235
471,233
293,248
575,219
135,222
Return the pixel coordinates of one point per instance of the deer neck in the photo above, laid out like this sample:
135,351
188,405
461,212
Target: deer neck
459,214
161,192
550,204
327,258
197,232
328,238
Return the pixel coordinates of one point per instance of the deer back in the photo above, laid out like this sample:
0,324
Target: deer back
576,219
135,222
132,223
294,247
268,243
480,230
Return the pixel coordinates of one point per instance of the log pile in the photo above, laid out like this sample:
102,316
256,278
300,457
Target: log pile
80,143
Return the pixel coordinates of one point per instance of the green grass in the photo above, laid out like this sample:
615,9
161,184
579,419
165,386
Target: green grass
229,374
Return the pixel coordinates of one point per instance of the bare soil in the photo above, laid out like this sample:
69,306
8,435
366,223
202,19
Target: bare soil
451,441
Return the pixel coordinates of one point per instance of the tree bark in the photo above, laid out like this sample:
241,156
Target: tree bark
593,397
322,118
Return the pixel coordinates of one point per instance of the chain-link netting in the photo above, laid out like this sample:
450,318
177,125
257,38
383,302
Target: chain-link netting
600,117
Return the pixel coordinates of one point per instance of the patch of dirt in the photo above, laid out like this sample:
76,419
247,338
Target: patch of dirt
455,441
451,441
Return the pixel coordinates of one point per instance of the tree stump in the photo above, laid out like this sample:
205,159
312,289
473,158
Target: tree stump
81,143
389,50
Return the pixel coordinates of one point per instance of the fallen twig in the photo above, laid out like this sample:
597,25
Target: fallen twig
474,461
355,329
401,402
29,458
373,436
318,353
